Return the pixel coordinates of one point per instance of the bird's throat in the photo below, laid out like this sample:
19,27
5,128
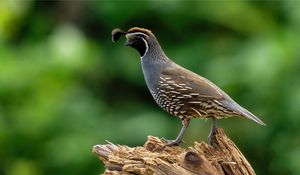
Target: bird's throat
141,46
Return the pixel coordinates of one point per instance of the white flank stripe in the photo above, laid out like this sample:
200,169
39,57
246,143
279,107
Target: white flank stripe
197,112
195,102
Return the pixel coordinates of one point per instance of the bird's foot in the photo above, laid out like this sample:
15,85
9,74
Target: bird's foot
209,138
211,135
212,130
171,142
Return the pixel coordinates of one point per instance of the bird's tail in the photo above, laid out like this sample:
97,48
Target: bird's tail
243,112
250,116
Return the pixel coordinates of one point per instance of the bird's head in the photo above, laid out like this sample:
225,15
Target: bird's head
138,38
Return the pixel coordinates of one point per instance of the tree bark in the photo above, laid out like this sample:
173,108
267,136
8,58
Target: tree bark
221,158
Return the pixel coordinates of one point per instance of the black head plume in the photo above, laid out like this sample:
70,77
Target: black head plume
116,34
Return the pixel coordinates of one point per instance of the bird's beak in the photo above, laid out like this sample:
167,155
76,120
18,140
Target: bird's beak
129,38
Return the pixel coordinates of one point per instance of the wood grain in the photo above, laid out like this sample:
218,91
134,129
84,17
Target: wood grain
221,158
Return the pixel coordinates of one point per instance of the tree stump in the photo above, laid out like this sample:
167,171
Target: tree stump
221,158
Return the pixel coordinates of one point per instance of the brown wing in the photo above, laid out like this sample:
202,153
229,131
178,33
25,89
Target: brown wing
195,83
197,97
186,94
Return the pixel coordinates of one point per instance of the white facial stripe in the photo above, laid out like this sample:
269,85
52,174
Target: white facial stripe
146,44
137,33
147,47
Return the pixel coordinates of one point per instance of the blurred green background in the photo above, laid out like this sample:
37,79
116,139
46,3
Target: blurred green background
64,86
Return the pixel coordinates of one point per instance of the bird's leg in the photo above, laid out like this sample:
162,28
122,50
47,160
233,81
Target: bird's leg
212,130
185,124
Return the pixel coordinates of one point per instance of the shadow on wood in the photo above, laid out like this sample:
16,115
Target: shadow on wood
222,158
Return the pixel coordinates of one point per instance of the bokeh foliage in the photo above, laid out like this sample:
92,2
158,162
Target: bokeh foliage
64,86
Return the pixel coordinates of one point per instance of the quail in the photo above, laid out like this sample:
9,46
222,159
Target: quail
179,91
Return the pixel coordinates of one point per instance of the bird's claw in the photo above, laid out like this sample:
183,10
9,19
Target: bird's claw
172,142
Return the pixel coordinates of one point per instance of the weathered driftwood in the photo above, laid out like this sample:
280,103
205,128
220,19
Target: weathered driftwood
223,158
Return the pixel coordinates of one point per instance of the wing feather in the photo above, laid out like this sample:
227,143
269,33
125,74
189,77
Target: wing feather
195,83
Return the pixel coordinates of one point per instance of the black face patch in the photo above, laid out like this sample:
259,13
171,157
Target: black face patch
136,38
139,44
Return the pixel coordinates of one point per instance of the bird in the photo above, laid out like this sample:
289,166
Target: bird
177,90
